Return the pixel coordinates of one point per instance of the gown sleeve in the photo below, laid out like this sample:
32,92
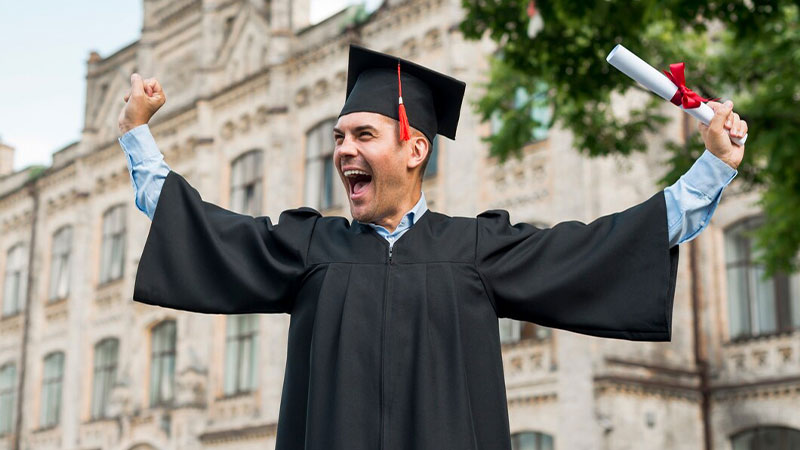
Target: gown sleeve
614,277
203,258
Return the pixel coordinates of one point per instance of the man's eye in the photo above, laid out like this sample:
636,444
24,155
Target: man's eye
366,133
338,138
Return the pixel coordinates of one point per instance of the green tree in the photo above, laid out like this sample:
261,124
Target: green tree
747,51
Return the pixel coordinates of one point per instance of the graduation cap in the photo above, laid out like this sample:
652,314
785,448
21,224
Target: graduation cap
409,93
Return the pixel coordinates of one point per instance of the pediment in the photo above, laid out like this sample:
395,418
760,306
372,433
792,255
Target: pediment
105,109
248,34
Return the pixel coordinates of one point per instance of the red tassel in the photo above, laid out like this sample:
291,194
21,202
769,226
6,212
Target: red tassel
405,130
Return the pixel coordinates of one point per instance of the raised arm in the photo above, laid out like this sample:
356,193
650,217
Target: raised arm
145,162
691,201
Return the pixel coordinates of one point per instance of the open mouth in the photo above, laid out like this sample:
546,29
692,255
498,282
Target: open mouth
359,182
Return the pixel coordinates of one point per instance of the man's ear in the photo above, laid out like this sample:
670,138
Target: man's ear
419,150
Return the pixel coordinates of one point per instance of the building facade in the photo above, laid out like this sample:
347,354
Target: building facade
253,90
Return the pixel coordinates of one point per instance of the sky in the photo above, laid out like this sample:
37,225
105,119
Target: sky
44,46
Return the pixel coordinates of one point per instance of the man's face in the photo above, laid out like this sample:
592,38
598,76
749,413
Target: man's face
373,165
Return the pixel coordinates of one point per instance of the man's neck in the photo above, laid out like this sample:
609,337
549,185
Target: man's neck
391,223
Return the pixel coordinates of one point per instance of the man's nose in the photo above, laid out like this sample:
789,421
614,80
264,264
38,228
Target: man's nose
347,148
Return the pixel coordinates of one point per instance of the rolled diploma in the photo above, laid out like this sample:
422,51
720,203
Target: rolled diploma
633,66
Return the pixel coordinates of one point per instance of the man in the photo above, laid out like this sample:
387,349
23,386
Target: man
393,342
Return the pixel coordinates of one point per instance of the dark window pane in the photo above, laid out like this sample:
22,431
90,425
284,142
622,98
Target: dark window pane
433,163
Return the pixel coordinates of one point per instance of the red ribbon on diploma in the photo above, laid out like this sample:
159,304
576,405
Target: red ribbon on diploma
683,96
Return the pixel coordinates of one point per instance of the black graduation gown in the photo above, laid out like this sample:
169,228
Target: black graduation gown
400,349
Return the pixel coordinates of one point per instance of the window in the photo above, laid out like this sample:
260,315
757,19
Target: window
246,175
433,163
113,256
531,440
757,306
59,266
162,363
16,280
540,110
52,379
8,397
240,354
767,438
105,375
514,331
321,175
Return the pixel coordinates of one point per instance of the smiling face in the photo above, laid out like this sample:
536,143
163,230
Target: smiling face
379,172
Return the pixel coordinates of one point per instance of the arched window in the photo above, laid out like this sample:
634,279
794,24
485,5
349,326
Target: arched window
162,363
240,354
52,381
113,250
246,186
8,397
767,438
531,440
16,279
59,265
321,175
757,306
105,375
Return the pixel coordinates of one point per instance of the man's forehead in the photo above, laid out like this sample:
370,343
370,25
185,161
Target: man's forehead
362,118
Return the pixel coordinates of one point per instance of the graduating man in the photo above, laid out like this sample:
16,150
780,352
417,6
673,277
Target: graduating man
394,342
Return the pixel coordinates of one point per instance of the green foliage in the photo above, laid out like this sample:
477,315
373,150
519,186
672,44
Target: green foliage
746,51
35,172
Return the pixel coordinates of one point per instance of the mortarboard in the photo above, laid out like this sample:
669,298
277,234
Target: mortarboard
376,81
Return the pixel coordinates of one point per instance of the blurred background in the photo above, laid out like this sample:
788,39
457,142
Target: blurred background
548,131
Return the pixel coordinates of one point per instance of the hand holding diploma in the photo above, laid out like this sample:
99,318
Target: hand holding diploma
725,126
719,125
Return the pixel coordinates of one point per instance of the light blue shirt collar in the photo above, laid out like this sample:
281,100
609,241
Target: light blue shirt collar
406,222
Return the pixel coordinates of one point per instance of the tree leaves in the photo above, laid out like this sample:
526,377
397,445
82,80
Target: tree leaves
746,51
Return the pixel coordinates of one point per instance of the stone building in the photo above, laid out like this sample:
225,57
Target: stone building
252,91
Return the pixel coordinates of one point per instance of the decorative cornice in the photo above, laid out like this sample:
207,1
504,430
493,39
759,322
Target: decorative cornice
238,434
764,388
644,387
537,399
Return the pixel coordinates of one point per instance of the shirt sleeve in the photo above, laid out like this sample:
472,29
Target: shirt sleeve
203,258
146,166
613,277
692,200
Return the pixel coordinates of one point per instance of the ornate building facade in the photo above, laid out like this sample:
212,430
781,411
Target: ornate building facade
252,91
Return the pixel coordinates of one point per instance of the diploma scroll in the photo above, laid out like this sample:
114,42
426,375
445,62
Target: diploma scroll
633,66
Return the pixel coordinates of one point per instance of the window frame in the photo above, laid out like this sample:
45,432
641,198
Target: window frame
238,340
60,260
105,374
16,265
783,301
247,186
158,359
785,436
320,172
432,169
114,238
542,441
8,398
52,391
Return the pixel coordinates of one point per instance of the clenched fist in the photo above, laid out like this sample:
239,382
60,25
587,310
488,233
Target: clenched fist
716,138
141,102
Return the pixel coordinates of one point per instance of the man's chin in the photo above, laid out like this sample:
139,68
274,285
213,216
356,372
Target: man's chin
360,213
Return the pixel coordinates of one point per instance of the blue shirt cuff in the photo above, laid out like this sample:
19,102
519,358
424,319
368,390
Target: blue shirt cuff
139,145
709,175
